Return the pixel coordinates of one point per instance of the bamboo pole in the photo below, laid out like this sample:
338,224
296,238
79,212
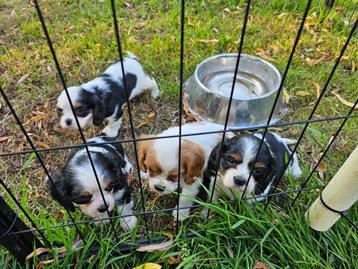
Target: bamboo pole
340,194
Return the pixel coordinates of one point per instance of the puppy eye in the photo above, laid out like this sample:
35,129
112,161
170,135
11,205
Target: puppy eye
258,172
59,111
81,111
83,199
172,178
231,160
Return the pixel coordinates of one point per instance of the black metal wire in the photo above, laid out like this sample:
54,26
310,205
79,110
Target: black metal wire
324,89
11,226
242,36
181,74
278,94
304,184
274,125
162,210
53,53
119,46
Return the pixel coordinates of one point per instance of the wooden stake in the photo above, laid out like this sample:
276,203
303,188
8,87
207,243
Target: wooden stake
340,194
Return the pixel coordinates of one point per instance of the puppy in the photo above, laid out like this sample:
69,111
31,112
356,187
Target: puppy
159,159
76,184
237,160
103,97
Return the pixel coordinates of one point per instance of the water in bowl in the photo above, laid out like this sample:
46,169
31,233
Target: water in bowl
247,85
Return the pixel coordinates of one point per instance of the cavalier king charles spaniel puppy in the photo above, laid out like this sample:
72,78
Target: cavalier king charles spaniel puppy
158,158
237,160
76,184
103,97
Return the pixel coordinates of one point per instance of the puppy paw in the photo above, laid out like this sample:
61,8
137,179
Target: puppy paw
110,132
128,223
183,214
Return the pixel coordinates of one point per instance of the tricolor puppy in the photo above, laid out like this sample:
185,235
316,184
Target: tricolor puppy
103,97
159,158
237,160
76,184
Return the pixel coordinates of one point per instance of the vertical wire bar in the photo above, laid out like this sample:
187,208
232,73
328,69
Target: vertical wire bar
49,42
324,89
7,101
181,72
304,184
119,47
278,94
8,191
243,30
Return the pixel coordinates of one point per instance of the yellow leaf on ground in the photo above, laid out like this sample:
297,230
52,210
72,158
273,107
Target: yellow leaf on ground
317,86
41,144
148,266
302,93
209,41
344,101
261,265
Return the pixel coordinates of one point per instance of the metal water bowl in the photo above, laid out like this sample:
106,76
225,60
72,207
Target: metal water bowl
257,82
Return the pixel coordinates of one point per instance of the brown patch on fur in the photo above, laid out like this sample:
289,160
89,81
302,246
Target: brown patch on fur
146,157
76,105
193,160
236,157
259,165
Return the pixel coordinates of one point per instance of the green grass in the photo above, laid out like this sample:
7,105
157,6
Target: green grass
82,33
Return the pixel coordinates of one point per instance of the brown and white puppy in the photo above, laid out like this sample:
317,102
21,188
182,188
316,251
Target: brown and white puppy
159,159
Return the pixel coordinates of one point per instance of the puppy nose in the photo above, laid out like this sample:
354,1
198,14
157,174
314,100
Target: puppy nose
68,122
239,181
159,188
102,208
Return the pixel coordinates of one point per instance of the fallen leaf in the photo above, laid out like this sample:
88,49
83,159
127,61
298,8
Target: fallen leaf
148,265
315,62
321,169
155,247
209,41
261,265
302,93
227,10
22,79
38,196
317,86
37,252
344,101
264,54
42,263
282,15
174,260
286,96
4,138
128,5
41,144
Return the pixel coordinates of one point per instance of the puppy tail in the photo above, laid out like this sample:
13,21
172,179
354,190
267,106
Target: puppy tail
131,55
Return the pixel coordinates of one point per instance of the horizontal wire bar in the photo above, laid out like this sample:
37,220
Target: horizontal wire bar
274,125
163,210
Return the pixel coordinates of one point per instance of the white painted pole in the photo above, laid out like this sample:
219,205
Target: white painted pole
340,194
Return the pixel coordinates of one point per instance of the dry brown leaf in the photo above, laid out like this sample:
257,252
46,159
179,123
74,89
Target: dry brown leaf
315,62
209,41
302,93
42,263
321,169
148,265
317,86
41,144
37,252
155,247
261,265
227,10
38,196
274,48
344,101
22,79
282,15
174,260
264,54
4,138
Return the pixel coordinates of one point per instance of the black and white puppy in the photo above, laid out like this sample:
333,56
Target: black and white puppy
237,160
76,184
103,97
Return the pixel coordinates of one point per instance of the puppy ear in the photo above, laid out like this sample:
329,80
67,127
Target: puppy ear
59,190
142,150
193,160
99,113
